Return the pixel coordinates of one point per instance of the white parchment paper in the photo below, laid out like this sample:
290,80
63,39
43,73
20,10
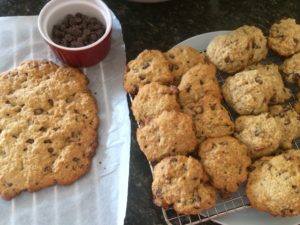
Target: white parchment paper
100,197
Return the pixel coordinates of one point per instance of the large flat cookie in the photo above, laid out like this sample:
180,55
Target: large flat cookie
48,127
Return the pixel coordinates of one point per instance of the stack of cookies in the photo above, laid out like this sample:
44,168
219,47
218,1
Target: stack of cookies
186,131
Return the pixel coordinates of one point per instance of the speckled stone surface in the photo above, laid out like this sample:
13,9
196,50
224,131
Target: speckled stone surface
161,26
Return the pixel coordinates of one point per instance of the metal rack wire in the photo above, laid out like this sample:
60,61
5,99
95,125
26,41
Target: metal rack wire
237,201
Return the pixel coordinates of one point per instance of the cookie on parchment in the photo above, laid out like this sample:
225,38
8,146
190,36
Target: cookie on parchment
183,58
261,133
48,127
149,66
180,181
239,48
171,133
152,100
291,69
274,184
210,117
284,37
225,160
199,81
289,120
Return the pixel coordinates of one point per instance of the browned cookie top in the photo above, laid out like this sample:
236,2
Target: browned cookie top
180,181
48,127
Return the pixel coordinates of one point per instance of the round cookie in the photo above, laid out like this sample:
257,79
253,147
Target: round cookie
197,82
171,133
179,181
239,48
274,184
273,81
284,37
291,69
210,117
261,133
48,127
183,58
247,92
149,66
152,100
289,119
225,160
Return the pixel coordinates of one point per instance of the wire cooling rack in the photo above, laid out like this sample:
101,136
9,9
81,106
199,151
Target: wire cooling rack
238,200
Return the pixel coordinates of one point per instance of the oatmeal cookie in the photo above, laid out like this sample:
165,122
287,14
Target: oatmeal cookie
234,51
197,82
225,160
274,184
180,181
289,120
183,58
152,100
149,66
48,127
284,37
210,117
291,69
171,133
261,133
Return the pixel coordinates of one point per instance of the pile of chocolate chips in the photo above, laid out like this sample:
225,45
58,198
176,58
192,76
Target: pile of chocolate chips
77,31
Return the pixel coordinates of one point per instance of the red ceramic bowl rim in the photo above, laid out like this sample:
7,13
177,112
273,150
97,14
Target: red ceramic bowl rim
108,20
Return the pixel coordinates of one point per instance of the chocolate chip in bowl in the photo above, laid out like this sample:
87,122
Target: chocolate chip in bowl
77,30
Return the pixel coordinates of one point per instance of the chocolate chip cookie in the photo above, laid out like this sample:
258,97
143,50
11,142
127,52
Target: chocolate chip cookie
225,160
291,69
149,66
180,181
274,184
171,133
152,100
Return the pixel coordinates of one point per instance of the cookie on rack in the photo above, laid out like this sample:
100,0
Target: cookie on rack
225,160
297,103
261,133
272,78
171,133
274,184
284,37
180,181
239,48
289,119
199,81
291,69
149,66
210,117
48,127
152,100
183,58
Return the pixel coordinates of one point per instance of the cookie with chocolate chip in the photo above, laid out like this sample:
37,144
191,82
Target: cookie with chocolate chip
149,66
180,181
261,133
152,100
239,48
171,133
199,81
210,117
289,120
48,127
183,58
291,69
274,184
284,37
225,160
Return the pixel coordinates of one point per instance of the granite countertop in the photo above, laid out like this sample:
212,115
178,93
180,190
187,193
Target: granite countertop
161,26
